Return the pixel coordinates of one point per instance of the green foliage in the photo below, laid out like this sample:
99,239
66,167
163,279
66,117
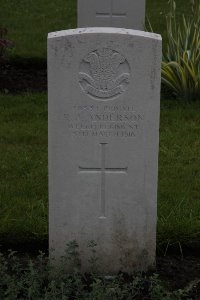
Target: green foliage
23,168
181,59
179,176
158,291
4,45
29,22
37,279
71,257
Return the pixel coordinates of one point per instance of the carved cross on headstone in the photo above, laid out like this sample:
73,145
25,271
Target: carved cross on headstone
103,170
110,14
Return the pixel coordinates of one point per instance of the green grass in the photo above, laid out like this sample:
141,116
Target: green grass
23,171
29,21
179,174
157,10
23,167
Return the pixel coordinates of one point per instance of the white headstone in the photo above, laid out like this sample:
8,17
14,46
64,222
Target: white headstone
104,97
111,13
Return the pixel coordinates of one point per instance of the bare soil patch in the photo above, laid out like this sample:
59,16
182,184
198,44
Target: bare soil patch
18,77
178,272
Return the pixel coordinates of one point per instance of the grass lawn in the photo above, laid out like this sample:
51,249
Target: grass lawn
28,22
23,167
23,171
179,175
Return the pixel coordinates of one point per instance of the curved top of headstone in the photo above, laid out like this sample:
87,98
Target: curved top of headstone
102,30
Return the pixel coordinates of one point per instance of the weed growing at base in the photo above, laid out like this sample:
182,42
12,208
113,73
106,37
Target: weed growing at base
38,280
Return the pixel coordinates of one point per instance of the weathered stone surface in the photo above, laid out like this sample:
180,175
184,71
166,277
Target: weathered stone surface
104,95
111,13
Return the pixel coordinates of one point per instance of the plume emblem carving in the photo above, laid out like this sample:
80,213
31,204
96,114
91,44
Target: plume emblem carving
105,77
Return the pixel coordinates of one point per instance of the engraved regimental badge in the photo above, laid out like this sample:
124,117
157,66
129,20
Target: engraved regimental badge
104,74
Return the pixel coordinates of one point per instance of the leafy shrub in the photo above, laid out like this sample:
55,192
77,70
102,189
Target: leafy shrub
181,61
37,279
4,44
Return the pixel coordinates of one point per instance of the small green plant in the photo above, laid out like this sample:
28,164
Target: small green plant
4,44
181,60
72,257
94,259
36,279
